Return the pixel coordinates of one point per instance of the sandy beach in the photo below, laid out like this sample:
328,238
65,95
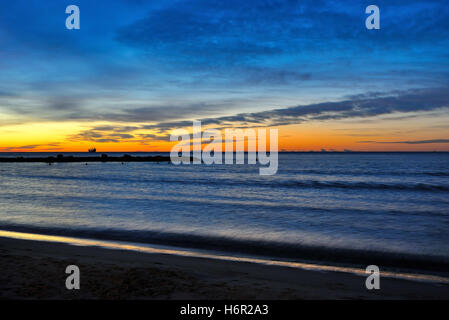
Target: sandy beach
36,270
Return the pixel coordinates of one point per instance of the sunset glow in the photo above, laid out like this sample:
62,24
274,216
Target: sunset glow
317,75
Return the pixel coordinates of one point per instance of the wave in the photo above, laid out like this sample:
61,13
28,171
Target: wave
274,183
366,185
357,173
405,261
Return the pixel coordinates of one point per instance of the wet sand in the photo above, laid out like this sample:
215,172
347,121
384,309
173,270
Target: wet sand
36,270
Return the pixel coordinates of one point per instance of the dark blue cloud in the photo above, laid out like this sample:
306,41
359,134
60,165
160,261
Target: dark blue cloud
215,32
138,59
370,105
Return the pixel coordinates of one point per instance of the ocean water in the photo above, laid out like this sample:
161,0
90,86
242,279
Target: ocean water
379,208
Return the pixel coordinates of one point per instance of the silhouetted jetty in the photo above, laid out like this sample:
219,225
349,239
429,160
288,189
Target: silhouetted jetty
103,158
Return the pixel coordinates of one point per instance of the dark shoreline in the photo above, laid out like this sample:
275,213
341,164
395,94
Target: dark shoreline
392,261
158,153
103,158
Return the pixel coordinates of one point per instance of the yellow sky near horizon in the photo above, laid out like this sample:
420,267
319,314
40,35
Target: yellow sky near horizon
355,134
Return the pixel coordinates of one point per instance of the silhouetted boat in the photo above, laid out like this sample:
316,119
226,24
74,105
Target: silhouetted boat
92,150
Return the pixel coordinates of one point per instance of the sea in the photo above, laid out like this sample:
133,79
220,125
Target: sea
388,209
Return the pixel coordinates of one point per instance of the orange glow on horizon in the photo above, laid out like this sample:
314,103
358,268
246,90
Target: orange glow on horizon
331,136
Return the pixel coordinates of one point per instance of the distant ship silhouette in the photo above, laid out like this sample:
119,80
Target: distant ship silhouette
92,150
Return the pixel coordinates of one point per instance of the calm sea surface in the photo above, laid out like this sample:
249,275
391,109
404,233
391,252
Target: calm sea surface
391,203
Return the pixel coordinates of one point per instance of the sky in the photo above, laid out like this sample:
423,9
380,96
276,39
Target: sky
137,70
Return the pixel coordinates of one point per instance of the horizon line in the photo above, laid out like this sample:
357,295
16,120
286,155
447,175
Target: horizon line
284,151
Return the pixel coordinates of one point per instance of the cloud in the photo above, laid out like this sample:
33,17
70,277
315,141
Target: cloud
409,142
164,63
273,76
4,93
32,147
118,129
96,135
232,33
401,104
404,102
367,106
154,137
